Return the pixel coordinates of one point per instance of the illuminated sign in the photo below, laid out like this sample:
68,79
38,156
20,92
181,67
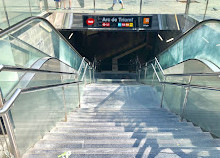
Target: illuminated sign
117,21
120,22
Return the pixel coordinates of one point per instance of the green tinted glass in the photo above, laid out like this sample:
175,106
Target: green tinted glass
197,45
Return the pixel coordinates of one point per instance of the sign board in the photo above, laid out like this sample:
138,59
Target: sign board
117,22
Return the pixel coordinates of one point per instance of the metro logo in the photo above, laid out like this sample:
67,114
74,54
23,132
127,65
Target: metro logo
105,24
146,21
90,21
131,25
123,24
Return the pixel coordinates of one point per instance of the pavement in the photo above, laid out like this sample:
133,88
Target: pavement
196,10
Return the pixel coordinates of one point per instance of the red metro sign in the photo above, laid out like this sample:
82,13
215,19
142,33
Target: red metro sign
90,21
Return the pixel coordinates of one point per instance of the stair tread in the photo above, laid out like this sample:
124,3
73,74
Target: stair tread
133,150
129,143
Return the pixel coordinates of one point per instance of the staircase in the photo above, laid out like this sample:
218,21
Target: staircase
116,77
124,121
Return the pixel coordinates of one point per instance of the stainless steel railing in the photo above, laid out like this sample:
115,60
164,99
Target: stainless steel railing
17,69
81,66
187,85
5,106
157,62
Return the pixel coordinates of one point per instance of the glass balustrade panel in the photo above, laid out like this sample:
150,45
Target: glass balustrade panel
3,18
72,97
197,9
34,114
17,10
77,6
178,79
201,10
163,7
157,80
173,98
129,6
15,53
149,75
197,45
203,109
49,42
36,7
208,81
213,9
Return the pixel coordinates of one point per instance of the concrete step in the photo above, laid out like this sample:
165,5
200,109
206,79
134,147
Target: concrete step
38,120
122,109
134,133
123,113
123,116
122,129
108,143
127,152
48,111
138,115
158,115
137,107
126,124
43,124
125,135
118,104
46,125
130,109
124,120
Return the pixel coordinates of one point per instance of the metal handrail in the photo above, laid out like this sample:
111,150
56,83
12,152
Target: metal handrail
15,69
195,74
33,89
8,104
185,74
29,19
80,67
192,86
156,73
157,62
84,72
187,87
188,84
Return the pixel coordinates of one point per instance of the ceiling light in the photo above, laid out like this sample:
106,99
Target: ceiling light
169,40
160,37
70,35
